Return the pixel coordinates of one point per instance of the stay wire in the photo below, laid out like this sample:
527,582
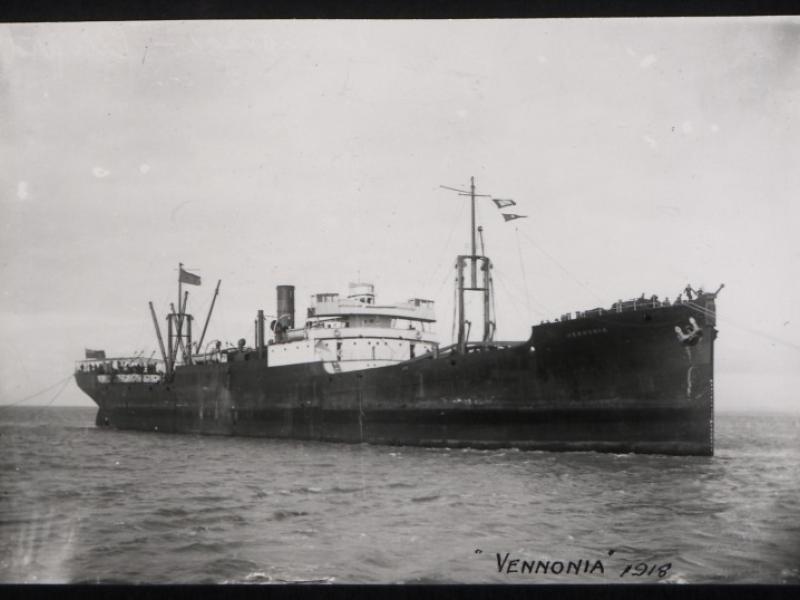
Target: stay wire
512,292
512,297
524,279
58,393
540,307
447,277
563,268
43,407
707,312
39,393
438,264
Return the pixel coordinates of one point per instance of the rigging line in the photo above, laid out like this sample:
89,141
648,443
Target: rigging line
728,320
53,399
563,268
438,265
453,322
58,393
42,391
702,309
202,312
511,296
522,268
493,309
447,276
455,302
540,306
518,306
512,292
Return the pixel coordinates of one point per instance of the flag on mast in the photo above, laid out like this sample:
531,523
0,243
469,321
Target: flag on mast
503,203
190,278
510,217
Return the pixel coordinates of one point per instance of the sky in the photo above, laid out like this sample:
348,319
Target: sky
646,154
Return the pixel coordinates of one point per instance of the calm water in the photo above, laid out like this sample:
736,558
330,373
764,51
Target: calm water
82,504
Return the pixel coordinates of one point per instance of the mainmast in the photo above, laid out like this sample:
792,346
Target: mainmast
485,286
472,227
176,319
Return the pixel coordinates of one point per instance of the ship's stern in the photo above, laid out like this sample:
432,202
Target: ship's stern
88,383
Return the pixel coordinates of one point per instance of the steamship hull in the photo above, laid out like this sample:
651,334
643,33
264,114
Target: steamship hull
610,382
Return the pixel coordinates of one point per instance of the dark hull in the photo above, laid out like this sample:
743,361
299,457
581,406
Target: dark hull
616,382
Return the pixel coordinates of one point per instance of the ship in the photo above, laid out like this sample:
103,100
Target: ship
634,377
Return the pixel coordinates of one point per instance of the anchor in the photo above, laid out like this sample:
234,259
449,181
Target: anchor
691,336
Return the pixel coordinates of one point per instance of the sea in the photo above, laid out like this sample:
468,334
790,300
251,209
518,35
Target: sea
80,504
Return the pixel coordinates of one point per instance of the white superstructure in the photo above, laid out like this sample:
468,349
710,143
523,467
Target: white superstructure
354,332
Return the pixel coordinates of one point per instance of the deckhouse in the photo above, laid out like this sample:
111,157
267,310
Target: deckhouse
352,332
